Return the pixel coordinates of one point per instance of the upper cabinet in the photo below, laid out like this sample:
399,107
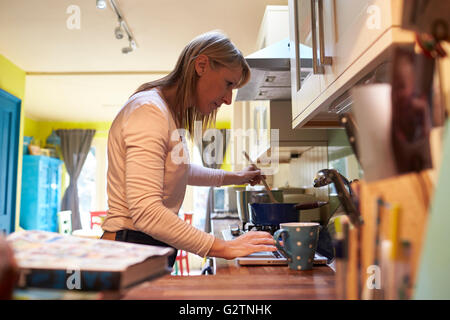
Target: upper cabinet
274,26
334,44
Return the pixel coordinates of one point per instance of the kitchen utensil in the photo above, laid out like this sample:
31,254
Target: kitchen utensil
272,214
312,205
244,197
299,243
272,198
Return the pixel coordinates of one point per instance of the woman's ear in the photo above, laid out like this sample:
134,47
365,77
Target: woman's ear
201,64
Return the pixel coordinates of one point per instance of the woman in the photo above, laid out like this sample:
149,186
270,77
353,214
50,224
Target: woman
146,179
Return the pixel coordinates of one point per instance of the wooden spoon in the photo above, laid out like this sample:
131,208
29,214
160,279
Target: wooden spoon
272,198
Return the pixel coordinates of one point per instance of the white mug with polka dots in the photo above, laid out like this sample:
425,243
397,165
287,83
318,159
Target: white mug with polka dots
299,243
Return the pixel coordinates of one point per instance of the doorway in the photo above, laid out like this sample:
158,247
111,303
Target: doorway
9,152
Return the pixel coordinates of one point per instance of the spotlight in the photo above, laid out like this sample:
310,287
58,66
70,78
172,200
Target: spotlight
126,50
118,32
101,4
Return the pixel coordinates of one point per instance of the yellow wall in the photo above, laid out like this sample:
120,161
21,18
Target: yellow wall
12,80
40,130
225,123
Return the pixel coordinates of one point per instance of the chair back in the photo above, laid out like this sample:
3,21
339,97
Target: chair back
65,222
97,218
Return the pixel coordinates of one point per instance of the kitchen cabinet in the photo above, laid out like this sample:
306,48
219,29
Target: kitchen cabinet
345,41
274,26
41,190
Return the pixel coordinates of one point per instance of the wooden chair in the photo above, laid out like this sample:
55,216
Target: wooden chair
97,218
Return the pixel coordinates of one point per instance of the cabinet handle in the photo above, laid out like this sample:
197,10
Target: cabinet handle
296,46
323,59
317,69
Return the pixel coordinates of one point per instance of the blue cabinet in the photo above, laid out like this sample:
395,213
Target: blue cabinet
41,193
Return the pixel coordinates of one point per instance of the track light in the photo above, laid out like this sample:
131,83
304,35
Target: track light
101,4
131,46
118,31
122,29
126,50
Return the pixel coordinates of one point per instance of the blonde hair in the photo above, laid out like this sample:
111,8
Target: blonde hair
221,52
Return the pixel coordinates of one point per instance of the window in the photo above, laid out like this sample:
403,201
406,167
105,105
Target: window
87,188
92,182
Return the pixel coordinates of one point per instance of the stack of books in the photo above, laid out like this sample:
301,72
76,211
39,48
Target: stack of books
65,262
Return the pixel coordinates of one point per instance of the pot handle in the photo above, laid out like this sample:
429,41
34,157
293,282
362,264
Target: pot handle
276,237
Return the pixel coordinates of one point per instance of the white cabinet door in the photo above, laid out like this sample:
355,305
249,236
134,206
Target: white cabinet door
350,28
305,84
350,36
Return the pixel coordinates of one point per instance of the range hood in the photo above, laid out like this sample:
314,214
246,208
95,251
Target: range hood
271,72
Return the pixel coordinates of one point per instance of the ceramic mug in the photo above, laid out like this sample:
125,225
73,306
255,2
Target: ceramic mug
299,243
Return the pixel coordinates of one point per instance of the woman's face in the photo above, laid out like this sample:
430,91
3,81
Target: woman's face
214,86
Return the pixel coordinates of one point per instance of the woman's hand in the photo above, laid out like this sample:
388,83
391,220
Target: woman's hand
249,242
249,175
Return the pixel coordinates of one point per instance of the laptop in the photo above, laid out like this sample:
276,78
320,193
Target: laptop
268,257
273,258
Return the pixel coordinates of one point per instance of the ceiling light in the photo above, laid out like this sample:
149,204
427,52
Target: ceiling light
131,46
118,31
126,50
101,4
123,29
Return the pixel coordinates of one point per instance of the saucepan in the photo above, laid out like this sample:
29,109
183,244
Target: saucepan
244,197
275,213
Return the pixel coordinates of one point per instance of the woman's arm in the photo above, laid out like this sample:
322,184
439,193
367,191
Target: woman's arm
202,176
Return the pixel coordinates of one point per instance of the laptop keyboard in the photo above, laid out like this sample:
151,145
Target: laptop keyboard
277,254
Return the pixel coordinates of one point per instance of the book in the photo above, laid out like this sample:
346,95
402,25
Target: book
59,261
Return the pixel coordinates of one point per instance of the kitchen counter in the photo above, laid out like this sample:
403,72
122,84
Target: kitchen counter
231,281
243,283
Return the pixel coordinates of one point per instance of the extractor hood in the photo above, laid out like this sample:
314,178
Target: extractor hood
271,72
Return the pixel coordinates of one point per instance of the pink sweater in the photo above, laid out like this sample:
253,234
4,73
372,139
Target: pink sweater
148,170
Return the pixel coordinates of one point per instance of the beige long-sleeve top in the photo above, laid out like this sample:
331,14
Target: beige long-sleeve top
148,170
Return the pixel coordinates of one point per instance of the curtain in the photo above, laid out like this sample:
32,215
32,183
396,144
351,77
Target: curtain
75,146
220,146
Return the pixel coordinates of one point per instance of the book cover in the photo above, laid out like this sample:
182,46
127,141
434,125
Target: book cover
58,261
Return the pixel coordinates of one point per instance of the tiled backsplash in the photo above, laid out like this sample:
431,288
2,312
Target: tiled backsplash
300,172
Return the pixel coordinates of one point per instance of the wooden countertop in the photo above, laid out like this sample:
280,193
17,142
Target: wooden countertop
232,282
